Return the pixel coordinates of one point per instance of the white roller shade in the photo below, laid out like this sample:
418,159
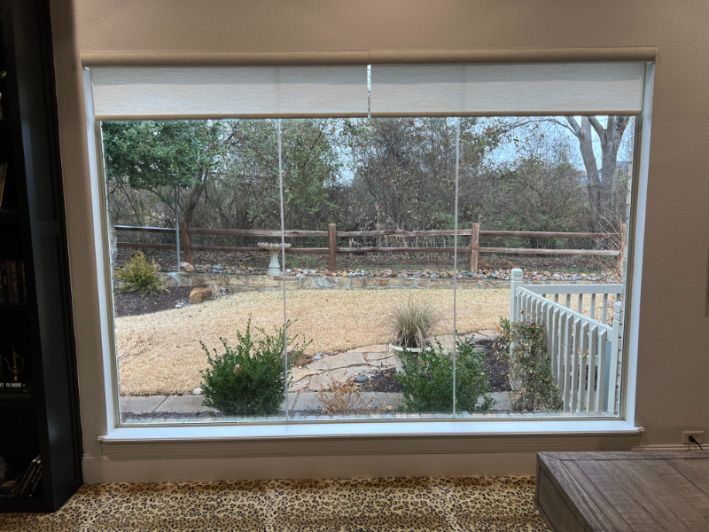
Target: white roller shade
489,89
197,92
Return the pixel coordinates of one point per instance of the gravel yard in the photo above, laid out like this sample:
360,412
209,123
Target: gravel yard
160,353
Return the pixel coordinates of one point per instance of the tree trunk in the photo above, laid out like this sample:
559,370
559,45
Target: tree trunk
193,198
601,181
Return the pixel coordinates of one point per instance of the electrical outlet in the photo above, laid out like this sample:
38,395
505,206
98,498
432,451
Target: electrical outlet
698,435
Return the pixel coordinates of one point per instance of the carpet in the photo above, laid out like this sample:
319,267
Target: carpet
470,503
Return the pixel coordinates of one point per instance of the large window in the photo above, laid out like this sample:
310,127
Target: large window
387,241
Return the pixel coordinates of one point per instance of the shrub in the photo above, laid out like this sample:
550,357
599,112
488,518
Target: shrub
248,379
140,276
427,380
413,322
343,398
524,345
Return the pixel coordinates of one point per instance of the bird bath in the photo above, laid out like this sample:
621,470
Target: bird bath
274,267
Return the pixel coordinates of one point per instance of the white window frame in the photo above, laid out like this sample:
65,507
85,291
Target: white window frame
517,425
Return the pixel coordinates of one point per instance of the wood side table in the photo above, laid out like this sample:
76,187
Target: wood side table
624,490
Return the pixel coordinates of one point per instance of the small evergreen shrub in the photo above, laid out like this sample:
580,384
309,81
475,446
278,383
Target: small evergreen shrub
140,276
413,322
427,380
248,379
524,345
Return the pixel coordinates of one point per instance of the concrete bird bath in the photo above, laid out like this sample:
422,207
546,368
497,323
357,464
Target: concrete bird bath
274,267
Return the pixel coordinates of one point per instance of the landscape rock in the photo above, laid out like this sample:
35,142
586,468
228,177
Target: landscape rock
197,391
199,295
186,267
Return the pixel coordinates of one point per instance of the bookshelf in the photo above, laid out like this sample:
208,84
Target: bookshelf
39,423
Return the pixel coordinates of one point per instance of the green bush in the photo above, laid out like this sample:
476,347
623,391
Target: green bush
140,276
249,379
427,380
524,345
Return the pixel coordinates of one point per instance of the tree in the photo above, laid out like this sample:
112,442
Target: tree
162,156
246,192
601,179
404,169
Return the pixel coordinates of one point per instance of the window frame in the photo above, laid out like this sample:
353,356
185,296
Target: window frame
517,424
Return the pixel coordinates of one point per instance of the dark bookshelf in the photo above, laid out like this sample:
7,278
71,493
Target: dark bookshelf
40,439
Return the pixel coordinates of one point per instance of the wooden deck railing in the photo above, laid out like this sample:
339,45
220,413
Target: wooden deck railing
473,249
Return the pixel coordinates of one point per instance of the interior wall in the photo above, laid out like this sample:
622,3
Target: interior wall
673,362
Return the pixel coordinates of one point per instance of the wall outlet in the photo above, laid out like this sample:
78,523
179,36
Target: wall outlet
698,435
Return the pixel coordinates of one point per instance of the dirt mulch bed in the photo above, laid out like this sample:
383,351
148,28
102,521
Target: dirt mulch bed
128,304
382,381
497,370
376,261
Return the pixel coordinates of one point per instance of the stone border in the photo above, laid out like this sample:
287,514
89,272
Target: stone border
246,282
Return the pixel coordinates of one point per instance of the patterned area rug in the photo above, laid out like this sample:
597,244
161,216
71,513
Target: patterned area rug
472,503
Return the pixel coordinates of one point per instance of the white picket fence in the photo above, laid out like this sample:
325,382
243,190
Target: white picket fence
584,328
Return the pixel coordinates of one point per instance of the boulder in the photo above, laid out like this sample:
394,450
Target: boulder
186,267
199,295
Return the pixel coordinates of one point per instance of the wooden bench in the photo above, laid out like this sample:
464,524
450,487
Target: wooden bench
624,490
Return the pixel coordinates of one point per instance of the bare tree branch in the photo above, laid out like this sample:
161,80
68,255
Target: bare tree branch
574,125
598,127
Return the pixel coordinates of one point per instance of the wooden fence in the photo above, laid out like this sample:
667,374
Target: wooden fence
473,249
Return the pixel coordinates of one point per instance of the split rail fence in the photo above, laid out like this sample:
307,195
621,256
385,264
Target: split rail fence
183,236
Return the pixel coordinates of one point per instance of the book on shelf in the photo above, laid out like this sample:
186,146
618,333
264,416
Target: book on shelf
26,484
13,286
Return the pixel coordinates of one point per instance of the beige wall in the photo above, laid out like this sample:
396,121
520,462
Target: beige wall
674,332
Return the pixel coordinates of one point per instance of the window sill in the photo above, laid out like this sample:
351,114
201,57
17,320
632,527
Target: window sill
369,438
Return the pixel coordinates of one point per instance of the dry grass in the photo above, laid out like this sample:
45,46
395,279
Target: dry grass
160,353
343,398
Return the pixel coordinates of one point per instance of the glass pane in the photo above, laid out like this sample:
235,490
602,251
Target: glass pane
375,185
369,216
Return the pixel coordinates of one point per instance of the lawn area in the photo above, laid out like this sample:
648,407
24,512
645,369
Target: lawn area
160,353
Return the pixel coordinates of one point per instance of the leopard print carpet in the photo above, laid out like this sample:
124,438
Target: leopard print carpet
471,503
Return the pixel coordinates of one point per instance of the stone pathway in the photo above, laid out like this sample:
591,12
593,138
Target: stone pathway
181,405
326,369
165,407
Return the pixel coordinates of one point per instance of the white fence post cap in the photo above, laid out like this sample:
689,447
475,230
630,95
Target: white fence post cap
517,274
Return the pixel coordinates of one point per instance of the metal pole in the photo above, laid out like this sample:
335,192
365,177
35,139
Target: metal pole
177,230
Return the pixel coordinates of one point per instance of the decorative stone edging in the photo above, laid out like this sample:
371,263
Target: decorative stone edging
245,282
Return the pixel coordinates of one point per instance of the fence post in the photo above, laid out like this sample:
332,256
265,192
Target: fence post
186,244
516,277
474,247
615,346
177,231
332,246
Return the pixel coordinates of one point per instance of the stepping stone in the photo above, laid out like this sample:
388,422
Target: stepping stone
342,360
183,404
139,404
